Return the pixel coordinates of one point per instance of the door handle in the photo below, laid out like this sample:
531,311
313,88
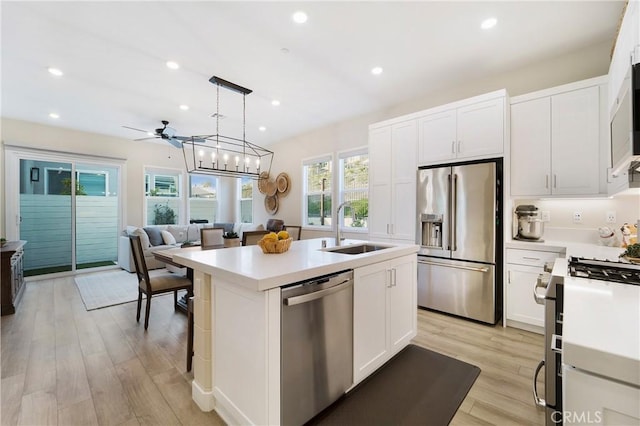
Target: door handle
546,181
555,181
539,401
296,300
453,147
468,268
459,147
454,215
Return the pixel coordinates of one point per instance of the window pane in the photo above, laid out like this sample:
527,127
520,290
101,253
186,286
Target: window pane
91,184
165,186
315,205
203,198
163,200
246,200
316,174
355,183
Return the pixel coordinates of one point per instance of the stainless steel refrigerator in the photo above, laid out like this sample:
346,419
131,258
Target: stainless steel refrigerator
459,230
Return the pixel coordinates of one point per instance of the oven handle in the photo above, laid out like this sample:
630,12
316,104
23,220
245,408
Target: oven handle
539,401
539,298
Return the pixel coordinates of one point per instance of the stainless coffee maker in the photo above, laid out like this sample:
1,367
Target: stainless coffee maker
530,226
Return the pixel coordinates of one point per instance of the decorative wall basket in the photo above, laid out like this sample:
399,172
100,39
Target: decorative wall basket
273,189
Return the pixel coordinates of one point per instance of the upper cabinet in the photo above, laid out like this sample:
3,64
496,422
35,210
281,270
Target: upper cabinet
465,130
625,52
559,141
392,181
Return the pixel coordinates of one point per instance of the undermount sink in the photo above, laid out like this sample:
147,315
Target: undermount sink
358,249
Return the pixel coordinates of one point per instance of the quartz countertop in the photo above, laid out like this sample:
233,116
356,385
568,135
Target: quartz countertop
305,259
601,326
593,251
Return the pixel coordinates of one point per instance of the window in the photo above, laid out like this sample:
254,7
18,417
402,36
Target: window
317,192
58,182
246,200
203,198
163,200
354,187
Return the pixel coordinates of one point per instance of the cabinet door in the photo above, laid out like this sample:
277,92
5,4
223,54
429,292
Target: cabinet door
379,182
531,147
480,130
595,400
369,319
404,169
436,138
521,306
575,136
402,306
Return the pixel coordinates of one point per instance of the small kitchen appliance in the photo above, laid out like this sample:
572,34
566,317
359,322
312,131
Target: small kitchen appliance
529,223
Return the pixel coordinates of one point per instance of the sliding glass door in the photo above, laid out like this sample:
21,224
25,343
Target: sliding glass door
69,214
45,216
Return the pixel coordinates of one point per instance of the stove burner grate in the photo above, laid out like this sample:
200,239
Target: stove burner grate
604,270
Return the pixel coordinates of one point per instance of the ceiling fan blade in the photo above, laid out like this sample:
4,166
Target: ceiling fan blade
175,142
144,139
133,128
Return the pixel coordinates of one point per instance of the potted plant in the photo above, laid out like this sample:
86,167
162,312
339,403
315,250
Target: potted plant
231,239
3,241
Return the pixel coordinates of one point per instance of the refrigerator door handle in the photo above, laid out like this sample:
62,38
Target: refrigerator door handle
449,225
454,214
449,265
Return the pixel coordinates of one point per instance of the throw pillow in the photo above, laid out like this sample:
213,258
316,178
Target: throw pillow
167,237
179,233
144,238
193,233
155,237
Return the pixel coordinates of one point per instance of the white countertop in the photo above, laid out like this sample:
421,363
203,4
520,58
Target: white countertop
601,326
305,259
592,251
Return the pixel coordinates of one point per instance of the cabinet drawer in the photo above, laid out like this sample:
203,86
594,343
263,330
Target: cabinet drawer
530,257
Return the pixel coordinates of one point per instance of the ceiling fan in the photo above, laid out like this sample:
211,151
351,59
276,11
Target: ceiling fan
167,133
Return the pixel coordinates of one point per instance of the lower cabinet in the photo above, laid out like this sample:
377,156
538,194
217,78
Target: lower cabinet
523,269
384,312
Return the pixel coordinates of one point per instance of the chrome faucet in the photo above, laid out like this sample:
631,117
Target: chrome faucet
338,237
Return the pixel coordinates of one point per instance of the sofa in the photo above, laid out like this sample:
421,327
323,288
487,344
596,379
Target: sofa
163,237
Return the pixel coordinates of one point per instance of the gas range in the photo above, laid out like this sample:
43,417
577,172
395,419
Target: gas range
605,270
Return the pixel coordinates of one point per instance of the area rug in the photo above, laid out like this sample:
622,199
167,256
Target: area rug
109,288
416,387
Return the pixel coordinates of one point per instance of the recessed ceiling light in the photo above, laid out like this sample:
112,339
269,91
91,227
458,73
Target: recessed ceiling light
376,70
173,65
54,115
55,71
184,107
299,17
275,102
262,128
488,23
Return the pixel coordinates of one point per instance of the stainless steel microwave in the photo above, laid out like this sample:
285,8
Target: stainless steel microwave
625,122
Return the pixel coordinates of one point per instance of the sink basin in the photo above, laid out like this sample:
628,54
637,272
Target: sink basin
358,249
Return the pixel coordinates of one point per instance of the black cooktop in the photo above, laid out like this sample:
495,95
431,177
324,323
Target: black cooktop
605,270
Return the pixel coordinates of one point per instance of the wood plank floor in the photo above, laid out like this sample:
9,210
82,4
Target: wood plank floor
62,365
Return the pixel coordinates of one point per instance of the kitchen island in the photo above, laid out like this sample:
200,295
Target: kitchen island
237,311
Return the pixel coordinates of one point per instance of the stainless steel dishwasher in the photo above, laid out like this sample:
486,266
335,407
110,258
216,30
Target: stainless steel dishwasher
317,345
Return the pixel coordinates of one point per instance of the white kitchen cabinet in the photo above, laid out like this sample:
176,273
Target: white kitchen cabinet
384,312
591,399
625,52
557,141
523,269
463,132
392,172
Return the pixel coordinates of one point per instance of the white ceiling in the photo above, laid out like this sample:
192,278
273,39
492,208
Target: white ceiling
113,55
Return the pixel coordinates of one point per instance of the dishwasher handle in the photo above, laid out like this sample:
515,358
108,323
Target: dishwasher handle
304,298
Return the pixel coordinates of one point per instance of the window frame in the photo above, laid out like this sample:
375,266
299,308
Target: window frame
305,193
342,155
149,173
240,199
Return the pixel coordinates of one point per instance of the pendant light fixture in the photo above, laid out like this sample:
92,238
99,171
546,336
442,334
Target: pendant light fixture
222,155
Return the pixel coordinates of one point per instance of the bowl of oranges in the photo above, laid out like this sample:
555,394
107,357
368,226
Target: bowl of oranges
275,243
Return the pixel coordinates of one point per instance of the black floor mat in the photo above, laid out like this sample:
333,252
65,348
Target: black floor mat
416,387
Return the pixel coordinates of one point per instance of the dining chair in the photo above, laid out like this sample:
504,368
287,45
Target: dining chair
251,238
294,231
274,225
211,238
162,283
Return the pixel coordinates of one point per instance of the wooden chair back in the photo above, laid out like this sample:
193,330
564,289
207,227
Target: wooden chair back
294,231
141,266
251,238
211,237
